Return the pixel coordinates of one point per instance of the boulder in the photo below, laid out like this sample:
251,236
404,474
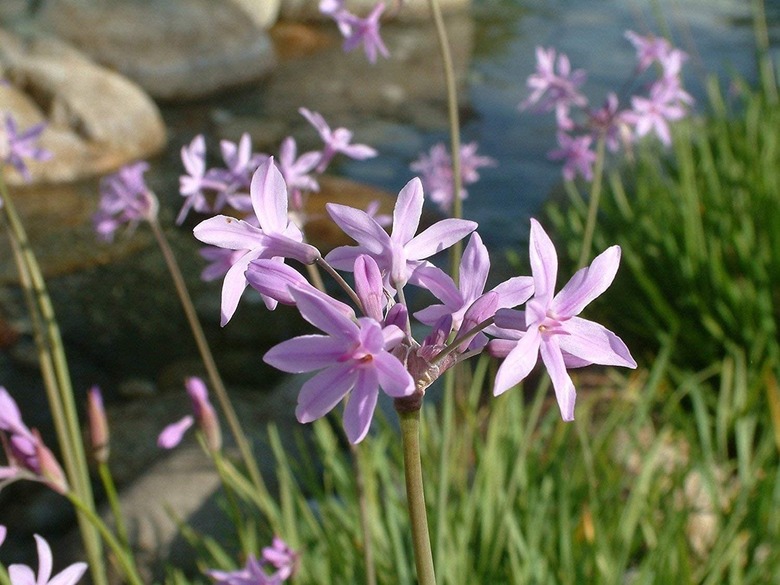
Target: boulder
262,12
96,119
172,48
396,9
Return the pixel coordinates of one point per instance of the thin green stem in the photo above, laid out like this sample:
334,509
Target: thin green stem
316,277
56,376
593,203
123,559
359,466
341,282
208,359
233,508
113,502
415,497
454,121
765,64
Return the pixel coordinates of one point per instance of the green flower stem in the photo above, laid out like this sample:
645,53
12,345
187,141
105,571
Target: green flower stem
123,558
454,120
113,501
415,496
359,466
4,578
593,204
56,376
208,359
233,509
340,280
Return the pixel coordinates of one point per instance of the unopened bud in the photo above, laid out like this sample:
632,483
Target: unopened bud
51,472
98,425
204,412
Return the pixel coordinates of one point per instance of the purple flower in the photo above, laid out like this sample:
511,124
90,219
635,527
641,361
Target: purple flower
16,146
204,414
576,154
474,268
358,30
611,123
276,235
551,328
553,90
198,179
252,573
295,171
124,199
280,556
400,253
435,169
653,114
24,575
338,140
649,49
353,357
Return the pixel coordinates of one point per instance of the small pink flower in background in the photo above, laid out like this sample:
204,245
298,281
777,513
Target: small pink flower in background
550,327
649,49
172,435
193,185
124,199
203,413
653,114
435,170
17,146
24,575
336,141
577,156
356,30
253,573
280,556
296,171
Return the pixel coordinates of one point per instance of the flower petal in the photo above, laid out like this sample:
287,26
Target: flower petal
519,362
233,287
594,343
438,237
439,283
407,212
368,286
343,257
474,268
321,313
44,559
228,232
174,432
360,405
544,263
269,197
70,575
565,393
21,575
394,379
587,283
360,226
305,353
320,394
515,291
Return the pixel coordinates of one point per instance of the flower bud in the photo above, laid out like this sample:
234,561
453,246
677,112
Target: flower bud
98,425
50,470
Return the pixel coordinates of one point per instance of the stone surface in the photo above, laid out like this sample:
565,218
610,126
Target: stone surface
395,9
96,119
262,12
172,48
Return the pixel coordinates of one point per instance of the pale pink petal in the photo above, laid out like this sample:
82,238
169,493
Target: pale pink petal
439,283
515,291
360,406
44,559
564,388
594,343
438,237
474,268
544,263
408,208
269,197
587,283
3,532
368,286
519,363
277,245
70,575
394,379
343,257
432,314
228,232
392,334
173,433
306,353
323,316
233,287
21,575
360,226
320,394
273,278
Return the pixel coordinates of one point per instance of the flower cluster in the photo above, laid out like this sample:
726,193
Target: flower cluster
435,171
24,575
370,346
28,457
212,190
356,30
282,560
124,199
17,146
555,87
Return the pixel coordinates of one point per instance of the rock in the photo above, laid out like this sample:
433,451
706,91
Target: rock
262,12
96,120
172,48
400,9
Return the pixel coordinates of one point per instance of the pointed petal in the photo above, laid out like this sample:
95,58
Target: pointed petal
323,316
587,283
233,287
438,237
368,286
407,212
277,245
306,353
269,197
394,379
474,268
518,364
70,575
565,393
544,263
228,232
324,391
360,226
172,434
594,343
273,279
21,575
432,314
343,257
439,283
44,559
360,405
515,291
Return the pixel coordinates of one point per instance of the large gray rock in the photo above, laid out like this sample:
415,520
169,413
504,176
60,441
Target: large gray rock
96,119
395,9
172,48
262,12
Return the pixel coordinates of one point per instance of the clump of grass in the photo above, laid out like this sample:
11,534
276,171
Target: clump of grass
641,488
700,232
